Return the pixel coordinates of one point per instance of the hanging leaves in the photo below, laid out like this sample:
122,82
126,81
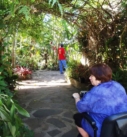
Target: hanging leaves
26,11
60,8
53,2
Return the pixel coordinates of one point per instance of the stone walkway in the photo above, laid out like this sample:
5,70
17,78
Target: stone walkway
48,99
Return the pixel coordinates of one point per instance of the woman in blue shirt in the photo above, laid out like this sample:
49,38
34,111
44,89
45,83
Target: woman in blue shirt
106,98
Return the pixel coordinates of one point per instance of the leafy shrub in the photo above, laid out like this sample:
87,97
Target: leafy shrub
10,123
51,65
7,80
29,62
120,75
71,67
78,71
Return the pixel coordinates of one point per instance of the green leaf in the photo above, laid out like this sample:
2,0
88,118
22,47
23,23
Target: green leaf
54,1
12,129
50,1
22,111
12,111
12,9
1,103
32,0
1,77
1,69
4,115
26,11
60,8
2,83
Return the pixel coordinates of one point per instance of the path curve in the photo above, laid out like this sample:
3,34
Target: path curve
47,97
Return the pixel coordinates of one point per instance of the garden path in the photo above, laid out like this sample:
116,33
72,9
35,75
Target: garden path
48,99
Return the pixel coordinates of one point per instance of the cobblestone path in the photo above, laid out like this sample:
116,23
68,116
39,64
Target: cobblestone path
48,99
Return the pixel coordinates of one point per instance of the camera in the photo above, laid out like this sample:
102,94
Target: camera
82,93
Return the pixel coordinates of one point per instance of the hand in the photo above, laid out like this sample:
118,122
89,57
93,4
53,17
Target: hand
76,95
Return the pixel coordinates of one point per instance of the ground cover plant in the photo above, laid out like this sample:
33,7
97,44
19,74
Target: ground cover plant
11,124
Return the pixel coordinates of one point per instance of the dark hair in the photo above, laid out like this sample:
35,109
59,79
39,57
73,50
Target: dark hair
61,45
102,72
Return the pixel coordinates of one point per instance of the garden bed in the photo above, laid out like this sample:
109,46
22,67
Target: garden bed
76,83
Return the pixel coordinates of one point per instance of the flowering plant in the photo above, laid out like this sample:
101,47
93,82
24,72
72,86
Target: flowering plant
23,73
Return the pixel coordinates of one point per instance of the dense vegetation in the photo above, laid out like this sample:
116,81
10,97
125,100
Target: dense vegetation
99,27
30,31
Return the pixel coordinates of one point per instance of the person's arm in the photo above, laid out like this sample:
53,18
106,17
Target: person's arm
86,103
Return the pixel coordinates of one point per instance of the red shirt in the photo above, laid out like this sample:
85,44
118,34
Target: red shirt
61,53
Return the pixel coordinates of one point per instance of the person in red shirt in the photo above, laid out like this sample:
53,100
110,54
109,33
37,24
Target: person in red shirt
62,58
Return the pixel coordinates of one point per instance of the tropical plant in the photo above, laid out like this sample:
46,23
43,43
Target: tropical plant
7,80
78,71
10,123
70,71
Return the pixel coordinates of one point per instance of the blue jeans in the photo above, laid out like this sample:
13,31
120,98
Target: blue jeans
62,63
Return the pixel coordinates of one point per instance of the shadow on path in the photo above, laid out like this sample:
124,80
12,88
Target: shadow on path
48,99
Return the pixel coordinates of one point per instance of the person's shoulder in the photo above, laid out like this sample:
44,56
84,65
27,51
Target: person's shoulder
110,83
116,83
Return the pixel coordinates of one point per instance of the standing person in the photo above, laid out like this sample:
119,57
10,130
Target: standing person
106,98
62,58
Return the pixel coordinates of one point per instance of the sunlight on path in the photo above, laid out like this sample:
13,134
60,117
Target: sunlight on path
38,80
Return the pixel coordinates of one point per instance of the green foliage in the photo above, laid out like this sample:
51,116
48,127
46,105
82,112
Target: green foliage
25,10
70,71
77,71
56,2
10,122
51,65
117,76
120,75
28,62
7,80
10,112
26,132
